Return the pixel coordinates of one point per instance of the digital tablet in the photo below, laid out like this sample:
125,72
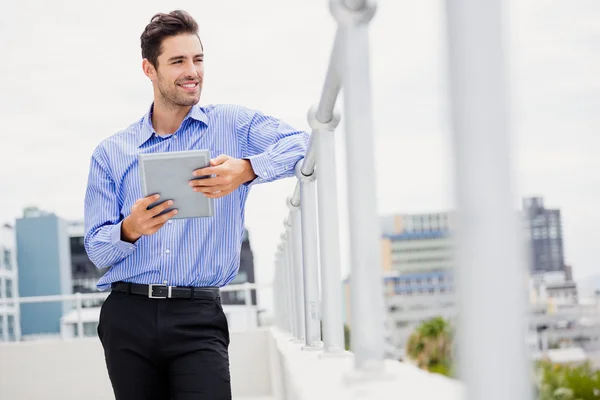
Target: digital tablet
169,174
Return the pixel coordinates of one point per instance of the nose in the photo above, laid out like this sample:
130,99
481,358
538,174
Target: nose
190,70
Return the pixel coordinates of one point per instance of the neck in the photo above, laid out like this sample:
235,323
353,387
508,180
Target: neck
166,118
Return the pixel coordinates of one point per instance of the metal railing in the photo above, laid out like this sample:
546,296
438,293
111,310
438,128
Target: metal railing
79,298
490,263
301,293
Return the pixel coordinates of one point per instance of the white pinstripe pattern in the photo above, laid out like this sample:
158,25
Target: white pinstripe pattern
193,252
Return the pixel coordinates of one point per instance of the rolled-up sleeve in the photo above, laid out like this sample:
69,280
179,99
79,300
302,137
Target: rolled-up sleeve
272,146
102,216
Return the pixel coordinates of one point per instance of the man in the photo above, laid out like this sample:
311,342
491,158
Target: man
176,348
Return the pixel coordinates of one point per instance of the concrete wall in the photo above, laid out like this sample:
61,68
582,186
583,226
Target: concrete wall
75,369
265,364
309,375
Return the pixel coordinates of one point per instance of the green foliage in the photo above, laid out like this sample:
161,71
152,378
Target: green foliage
568,382
430,346
347,337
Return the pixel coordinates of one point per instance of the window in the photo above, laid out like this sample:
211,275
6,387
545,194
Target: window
9,291
89,329
9,288
7,259
240,295
11,325
1,327
241,277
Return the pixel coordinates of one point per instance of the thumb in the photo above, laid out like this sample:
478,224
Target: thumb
219,160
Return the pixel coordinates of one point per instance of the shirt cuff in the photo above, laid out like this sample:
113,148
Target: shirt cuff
115,237
262,167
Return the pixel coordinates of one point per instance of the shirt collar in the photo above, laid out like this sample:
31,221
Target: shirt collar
195,113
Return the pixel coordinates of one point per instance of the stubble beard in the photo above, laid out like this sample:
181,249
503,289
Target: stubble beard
172,98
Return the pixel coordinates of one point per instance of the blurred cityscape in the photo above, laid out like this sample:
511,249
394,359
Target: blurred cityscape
43,255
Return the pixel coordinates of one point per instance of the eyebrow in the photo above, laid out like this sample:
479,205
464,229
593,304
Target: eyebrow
176,58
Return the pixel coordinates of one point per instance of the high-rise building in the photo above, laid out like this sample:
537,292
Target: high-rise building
543,229
44,259
9,313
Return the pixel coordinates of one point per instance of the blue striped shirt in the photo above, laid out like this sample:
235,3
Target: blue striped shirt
184,252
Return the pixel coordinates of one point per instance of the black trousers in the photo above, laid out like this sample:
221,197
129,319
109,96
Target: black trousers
161,349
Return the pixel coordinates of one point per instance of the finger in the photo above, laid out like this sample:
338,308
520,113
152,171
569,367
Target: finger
210,189
154,211
207,171
161,220
146,201
207,182
219,160
218,194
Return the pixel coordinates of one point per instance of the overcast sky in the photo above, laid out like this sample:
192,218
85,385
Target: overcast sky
70,76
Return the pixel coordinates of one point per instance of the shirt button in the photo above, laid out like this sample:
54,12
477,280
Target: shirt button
170,222
167,251
174,136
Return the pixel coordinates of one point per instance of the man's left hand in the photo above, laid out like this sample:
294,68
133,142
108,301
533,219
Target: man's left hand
229,173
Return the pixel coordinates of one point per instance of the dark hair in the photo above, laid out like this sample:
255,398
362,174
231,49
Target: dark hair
162,26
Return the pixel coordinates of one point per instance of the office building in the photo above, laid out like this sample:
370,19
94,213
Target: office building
245,274
84,273
417,261
543,228
9,313
44,259
417,253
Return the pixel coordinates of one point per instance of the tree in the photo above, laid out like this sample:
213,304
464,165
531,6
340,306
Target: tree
568,382
347,337
430,346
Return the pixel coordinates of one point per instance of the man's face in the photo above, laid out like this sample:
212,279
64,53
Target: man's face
180,70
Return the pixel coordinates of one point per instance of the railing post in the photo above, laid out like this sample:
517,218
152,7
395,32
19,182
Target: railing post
276,288
492,325
281,303
331,281
289,285
296,239
310,258
248,303
366,281
78,304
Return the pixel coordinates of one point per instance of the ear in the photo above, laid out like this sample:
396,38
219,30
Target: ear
149,69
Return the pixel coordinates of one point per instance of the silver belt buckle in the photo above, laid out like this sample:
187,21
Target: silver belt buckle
151,295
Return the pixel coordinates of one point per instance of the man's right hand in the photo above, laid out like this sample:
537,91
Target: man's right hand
144,222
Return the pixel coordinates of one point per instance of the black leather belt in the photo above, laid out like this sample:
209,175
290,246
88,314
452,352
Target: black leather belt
167,292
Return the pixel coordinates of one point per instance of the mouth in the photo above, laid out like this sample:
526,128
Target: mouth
189,86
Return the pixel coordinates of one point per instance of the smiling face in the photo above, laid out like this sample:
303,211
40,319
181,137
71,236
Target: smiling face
179,71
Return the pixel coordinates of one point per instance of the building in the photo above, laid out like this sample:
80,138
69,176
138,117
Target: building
85,276
417,261
417,254
245,274
43,254
9,313
543,228
84,273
